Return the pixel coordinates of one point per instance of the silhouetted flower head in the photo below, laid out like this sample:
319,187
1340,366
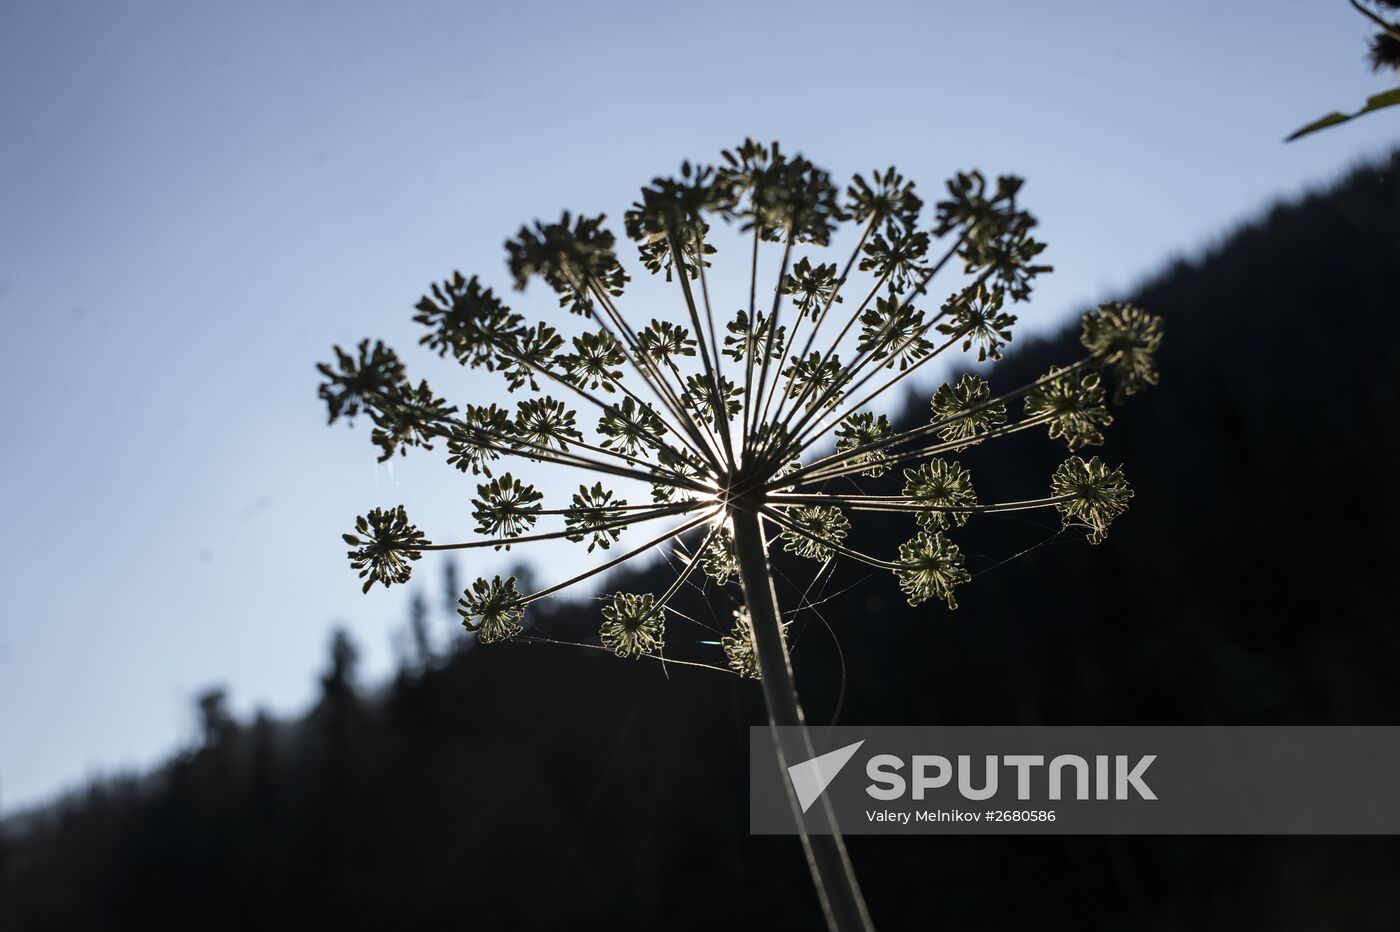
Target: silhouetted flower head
572,256
1125,339
1385,45
358,380
528,354
595,514
384,546
892,332
887,198
965,411
630,427
505,507
664,342
862,430
774,195
718,559
940,492
1072,406
1094,495
811,287
1385,52
769,409
753,337
931,566
814,531
467,320
407,417
632,625
474,442
977,318
899,259
738,645
816,378
669,215
544,424
596,361
492,609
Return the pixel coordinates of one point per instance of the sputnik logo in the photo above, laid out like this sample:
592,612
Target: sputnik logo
811,777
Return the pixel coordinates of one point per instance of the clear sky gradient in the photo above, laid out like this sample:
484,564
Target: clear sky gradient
198,199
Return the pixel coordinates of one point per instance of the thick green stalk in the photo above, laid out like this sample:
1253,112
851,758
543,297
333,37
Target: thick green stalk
837,887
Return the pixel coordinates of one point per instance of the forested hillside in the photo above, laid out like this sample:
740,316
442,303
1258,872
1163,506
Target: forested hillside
1252,581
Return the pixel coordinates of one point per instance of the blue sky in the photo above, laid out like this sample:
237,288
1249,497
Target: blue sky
197,200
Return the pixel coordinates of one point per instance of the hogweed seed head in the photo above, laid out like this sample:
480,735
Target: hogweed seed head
720,416
738,646
360,380
505,507
977,319
940,492
887,199
1125,339
408,417
596,515
1093,495
574,257
815,531
467,320
931,566
811,287
474,442
492,609
863,429
718,558
632,625
1072,405
545,423
892,331
965,411
385,546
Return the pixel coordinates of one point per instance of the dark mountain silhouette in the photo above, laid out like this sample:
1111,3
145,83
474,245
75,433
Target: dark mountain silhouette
535,786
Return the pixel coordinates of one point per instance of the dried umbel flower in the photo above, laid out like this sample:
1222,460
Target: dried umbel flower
931,566
492,609
1091,495
1072,407
632,625
715,420
738,645
385,546
373,373
1125,339
595,513
977,320
408,417
815,530
717,557
866,429
966,411
940,492
505,507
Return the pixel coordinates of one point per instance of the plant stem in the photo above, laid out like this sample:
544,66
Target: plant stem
837,888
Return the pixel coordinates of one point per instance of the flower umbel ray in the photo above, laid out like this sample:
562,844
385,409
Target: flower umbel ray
720,414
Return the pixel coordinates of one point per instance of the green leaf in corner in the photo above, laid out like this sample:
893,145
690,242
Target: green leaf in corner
1389,98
